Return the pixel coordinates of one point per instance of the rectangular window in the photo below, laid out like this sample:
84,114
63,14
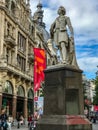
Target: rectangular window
21,42
21,62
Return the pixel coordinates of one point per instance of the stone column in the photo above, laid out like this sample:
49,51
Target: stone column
25,109
14,106
5,52
27,44
16,48
13,57
9,57
2,25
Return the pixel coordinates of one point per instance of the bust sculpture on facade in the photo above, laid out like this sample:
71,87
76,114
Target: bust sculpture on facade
64,41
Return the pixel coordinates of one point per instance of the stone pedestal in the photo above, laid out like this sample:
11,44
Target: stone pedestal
63,100
63,122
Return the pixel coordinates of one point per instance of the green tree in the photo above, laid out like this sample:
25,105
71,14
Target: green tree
95,99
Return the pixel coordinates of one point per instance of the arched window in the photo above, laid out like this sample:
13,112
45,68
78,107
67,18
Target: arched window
20,91
30,94
8,88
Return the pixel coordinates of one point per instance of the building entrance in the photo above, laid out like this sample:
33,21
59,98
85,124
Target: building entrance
20,106
30,106
7,103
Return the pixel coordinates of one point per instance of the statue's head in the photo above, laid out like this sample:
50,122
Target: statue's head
61,10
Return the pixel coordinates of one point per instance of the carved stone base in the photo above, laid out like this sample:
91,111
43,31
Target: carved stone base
63,100
63,122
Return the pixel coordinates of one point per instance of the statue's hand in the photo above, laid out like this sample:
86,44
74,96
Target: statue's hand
72,39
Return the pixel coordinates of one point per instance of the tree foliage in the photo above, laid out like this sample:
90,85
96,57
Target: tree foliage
95,99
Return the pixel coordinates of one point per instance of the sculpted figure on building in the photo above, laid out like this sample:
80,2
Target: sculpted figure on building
42,36
63,40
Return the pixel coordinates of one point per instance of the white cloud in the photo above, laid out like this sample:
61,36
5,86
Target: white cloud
89,64
83,15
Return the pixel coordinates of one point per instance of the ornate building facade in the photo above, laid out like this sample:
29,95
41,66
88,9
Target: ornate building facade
19,34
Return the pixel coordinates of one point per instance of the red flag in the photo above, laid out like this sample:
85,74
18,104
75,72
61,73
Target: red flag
39,66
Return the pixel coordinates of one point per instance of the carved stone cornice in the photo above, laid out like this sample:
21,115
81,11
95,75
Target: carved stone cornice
10,41
31,56
16,73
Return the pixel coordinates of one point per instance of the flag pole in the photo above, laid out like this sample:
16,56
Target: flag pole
39,66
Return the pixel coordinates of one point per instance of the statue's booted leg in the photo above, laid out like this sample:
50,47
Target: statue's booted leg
64,53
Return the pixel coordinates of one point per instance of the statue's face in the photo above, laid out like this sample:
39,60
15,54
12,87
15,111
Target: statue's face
61,10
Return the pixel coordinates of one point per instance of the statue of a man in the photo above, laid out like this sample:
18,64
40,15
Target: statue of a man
59,34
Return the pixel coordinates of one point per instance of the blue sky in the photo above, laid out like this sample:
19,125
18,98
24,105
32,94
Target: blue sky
84,18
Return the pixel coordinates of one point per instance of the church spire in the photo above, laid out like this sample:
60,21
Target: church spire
40,11
38,15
